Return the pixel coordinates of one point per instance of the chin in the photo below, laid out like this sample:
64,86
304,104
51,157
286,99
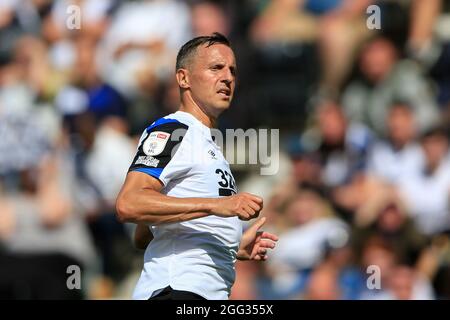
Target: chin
221,107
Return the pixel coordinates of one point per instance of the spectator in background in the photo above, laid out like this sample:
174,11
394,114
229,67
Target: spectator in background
426,192
31,53
323,284
338,26
336,277
306,165
42,227
341,32
99,146
283,21
342,145
376,252
95,118
20,76
385,216
423,24
398,155
304,172
94,93
384,80
25,90
208,17
310,224
397,279
138,50
404,283
94,19
350,198
19,17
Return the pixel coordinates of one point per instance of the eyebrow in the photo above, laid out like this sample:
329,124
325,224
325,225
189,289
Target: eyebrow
233,67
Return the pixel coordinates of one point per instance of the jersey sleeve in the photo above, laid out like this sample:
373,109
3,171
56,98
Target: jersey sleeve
157,148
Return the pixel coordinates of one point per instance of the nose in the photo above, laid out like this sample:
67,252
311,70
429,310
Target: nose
228,77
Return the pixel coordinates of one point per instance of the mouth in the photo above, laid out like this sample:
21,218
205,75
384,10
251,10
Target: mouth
225,92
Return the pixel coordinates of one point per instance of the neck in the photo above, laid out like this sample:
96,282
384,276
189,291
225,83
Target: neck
190,106
398,145
431,167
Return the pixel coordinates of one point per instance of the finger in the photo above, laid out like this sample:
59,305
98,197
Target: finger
267,244
255,214
243,215
249,211
258,224
271,236
257,258
255,206
260,257
262,251
255,198
254,253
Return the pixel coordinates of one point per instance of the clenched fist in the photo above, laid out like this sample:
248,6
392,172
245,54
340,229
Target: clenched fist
244,205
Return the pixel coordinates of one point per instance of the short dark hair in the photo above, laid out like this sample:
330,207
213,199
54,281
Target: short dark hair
191,46
437,130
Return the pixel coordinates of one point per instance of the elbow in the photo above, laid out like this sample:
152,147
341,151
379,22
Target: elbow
127,212
124,212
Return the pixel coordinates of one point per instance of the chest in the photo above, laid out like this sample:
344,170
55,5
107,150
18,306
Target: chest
213,171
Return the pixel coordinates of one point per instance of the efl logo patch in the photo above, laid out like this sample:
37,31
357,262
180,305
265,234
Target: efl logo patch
155,143
148,161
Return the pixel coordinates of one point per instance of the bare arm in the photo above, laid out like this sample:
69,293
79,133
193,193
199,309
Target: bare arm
140,201
423,18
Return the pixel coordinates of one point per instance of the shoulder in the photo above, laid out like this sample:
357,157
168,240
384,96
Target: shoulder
158,145
168,123
163,134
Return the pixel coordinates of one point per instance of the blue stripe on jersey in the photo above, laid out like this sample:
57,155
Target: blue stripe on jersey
154,172
160,122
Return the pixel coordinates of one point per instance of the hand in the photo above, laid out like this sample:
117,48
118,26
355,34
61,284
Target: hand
244,205
254,243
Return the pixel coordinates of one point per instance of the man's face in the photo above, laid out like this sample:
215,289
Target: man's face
377,60
212,78
401,125
332,124
435,148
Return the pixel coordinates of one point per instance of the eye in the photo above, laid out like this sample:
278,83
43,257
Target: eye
217,67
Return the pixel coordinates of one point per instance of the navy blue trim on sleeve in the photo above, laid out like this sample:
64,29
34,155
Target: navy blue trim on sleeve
154,172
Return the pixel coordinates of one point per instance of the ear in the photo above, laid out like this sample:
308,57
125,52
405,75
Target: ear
183,78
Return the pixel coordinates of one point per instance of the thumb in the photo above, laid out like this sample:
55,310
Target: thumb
258,224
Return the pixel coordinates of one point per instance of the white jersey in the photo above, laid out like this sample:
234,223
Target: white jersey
196,255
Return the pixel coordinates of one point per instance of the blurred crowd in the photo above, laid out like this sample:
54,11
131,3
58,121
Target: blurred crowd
361,200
